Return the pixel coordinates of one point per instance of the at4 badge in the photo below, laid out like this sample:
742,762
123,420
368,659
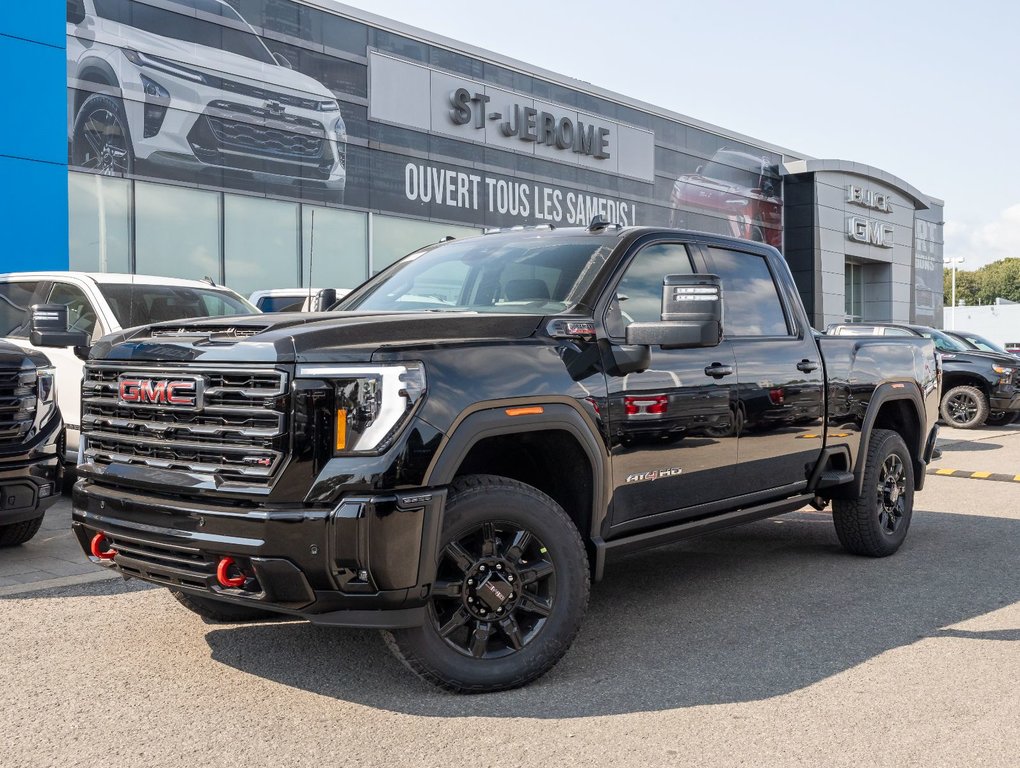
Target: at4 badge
655,474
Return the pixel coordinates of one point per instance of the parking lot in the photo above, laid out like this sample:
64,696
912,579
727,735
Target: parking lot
762,645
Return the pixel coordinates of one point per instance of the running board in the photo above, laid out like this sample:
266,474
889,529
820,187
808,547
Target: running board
606,550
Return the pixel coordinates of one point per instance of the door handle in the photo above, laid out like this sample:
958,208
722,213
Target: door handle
718,370
807,365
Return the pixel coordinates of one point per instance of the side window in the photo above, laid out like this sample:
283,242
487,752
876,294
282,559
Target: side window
81,316
752,305
639,293
890,331
16,299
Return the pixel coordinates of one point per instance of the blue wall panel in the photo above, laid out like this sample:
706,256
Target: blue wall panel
33,137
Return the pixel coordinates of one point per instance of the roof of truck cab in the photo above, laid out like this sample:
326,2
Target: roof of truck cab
113,278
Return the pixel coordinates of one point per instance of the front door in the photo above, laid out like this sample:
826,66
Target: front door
673,428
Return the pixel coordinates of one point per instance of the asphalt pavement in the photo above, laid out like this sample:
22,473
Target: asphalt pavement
762,645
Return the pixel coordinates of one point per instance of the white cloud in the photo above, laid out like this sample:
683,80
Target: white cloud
982,243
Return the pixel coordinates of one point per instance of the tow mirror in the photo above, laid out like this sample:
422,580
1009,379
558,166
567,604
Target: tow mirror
692,311
324,299
49,328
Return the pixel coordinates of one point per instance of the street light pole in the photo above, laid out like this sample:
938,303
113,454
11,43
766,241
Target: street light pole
953,262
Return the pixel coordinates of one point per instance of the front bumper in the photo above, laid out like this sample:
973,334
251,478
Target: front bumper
30,479
1005,400
366,562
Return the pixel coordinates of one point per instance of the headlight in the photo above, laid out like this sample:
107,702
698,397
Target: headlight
340,128
1002,370
163,65
46,385
371,403
330,105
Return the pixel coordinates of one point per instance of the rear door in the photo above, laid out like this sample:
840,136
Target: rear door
780,377
673,433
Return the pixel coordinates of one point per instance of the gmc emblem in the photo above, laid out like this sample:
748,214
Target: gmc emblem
173,393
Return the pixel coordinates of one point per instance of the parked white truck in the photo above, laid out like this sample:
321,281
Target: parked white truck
100,303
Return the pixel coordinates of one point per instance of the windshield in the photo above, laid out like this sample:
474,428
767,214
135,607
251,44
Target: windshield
180,22
944,342
980,342
533,274
141,304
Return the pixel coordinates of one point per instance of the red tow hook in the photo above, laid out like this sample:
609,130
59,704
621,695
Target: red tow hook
100,547
223,574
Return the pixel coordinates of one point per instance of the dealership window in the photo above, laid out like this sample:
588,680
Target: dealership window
99,210
339,258
177,231
853,292
260,239
393,238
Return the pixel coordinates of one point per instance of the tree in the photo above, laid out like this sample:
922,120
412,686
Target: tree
1000,279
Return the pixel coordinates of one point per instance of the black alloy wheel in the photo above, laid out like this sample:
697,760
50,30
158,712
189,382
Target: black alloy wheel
1001,418
892,493
510,591
964,407
101,140
494,590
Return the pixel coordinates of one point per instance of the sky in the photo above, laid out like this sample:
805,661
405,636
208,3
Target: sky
927,91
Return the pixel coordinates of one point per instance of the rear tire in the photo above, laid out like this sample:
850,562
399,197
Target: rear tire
964,407
876,522
510,590
219,611
18,533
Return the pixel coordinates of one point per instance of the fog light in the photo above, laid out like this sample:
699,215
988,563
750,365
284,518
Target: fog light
46,490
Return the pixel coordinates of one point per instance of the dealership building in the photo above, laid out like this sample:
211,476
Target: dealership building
282,143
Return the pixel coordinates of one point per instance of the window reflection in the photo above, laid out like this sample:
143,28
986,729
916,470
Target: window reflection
98,223
177,232
260,240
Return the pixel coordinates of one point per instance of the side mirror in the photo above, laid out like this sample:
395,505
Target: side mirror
324,299
692,310
49,328
283,61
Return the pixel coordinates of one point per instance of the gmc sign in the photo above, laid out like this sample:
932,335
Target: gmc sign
172,393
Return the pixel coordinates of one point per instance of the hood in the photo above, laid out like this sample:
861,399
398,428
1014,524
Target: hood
220,63
980,356
13,356
303,337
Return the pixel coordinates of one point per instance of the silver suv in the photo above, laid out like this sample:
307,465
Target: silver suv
195,92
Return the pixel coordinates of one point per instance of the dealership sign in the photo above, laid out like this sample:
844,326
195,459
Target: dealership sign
864,230
529,124
413,95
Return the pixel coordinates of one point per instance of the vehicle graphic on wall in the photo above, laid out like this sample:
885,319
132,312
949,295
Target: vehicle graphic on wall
188,89
739,186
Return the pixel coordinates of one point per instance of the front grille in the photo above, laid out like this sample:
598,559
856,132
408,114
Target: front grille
17,405
255,139
237,434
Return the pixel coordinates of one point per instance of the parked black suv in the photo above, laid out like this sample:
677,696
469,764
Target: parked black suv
978,387
480,428
30,443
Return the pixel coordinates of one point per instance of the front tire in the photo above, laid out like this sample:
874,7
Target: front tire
1000,418
510,591
18,533
964,407
876,522
101,139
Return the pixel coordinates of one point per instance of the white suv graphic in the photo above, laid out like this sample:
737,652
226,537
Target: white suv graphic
195,93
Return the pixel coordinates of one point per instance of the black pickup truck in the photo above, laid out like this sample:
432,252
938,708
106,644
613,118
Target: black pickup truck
456,450
31,434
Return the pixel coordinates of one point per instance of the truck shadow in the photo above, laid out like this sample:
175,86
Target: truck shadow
745,614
